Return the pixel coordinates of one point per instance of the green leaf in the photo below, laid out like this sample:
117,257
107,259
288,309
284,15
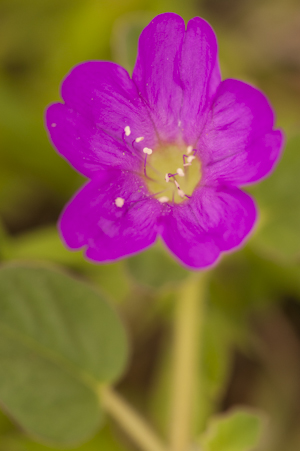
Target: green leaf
103,440
45,244
238,430
59,340
156,267
279,201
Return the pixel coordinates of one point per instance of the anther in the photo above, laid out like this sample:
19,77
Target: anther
167,178
139,139
127,130
190,158
189,149
180,172
147,150
163,199
119,201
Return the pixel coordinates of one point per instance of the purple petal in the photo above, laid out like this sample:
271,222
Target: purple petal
212,221
84,145
156,72
104,93
238,144
93,219
200,76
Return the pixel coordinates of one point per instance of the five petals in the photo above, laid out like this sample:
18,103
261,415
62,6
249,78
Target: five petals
175,96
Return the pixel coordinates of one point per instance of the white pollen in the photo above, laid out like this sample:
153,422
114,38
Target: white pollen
181,193
139,139
147,150
127,130
167,178
177,184
119,202
189,149
163,199
190,158
180,172
53,125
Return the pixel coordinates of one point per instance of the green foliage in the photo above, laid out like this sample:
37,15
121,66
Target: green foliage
212,373
40,42
279,201
59,340
45,244
215,364
156,268
239,430
104,440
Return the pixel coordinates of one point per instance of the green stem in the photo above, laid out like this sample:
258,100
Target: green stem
136,428
188,323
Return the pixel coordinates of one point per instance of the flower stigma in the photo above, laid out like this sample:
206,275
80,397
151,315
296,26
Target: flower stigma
172,172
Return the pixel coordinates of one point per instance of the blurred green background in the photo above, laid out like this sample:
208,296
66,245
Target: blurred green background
252,331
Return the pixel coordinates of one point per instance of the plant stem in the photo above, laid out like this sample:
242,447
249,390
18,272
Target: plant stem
188,323
136,428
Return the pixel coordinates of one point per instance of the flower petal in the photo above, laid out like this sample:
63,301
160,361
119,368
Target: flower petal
200,76
212,221
156,72
85,146
112,216
104,93
238,145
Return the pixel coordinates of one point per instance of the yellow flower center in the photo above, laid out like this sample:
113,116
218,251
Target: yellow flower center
172,173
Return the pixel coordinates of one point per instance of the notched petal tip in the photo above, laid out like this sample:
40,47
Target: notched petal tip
201,26
165,18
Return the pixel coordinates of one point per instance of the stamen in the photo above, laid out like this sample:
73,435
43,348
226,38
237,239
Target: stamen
119,201
182,180
145,165
190,158
163,199
139,139
127,130
180,192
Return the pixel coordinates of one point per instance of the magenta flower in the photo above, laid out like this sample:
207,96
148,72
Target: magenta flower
166,151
